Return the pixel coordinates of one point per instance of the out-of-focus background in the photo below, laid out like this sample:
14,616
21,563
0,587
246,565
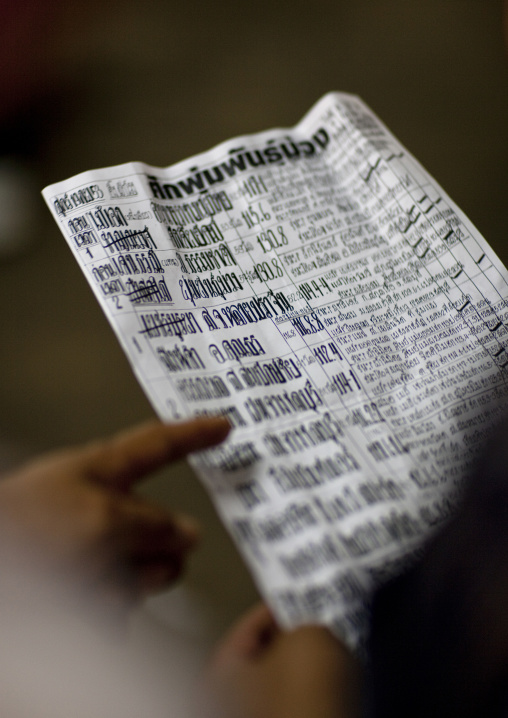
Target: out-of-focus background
90,84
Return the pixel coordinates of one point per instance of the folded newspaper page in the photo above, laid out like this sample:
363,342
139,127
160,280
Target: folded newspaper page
320,289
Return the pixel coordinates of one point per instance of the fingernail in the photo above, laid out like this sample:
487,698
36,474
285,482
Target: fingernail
188,526
155,578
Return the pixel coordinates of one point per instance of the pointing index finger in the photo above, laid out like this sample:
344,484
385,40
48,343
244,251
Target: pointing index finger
131,455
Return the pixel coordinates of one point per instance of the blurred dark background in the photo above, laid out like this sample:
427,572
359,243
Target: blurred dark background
85,85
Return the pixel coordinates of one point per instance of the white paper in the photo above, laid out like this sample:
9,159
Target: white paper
319,288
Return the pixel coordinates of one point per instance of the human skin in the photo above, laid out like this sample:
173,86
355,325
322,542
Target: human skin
71,520
262,671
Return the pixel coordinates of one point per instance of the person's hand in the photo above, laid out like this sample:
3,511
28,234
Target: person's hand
260,671
70,517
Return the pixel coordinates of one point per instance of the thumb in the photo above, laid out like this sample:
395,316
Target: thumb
253,633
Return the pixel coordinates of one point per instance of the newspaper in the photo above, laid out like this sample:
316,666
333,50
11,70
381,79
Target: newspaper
320,289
